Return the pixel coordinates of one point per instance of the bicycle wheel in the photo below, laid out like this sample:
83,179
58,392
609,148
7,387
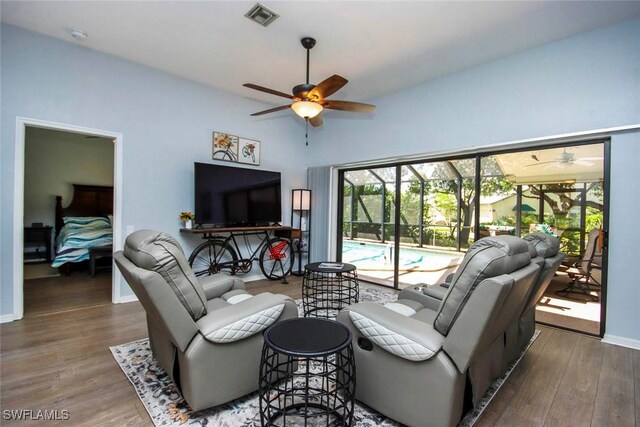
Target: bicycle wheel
224,155
212,257
276,258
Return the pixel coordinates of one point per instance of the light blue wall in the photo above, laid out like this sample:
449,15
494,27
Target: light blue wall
166,122
623,298
586,82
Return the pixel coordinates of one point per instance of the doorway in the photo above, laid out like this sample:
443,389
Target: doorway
57,265
23,239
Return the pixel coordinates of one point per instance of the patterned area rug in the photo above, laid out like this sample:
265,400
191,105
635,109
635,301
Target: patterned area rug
166,407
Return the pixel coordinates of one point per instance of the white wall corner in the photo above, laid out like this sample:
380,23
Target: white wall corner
126,298
621,341
6,318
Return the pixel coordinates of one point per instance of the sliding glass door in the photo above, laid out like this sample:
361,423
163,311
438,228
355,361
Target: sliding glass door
368,222
409,223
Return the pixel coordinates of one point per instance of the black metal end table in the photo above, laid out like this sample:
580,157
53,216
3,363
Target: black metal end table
307,374
326,291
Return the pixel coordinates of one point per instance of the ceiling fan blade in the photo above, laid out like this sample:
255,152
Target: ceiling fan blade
316,121
357,107
558,165
327,87
271,110
581,162
590,158
267,90
541,163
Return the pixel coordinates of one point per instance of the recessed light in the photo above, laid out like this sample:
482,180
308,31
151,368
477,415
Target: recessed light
79,35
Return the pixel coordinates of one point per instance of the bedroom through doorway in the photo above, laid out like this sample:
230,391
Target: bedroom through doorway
68,221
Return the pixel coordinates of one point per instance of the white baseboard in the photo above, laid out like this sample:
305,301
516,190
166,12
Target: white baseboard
621,341
6,318
127,298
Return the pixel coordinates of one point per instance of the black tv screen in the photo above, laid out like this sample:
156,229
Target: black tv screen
226,195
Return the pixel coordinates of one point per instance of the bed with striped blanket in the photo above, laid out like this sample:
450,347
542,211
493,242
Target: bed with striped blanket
80,234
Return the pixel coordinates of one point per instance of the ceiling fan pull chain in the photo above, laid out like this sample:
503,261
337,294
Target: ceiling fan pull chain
306,131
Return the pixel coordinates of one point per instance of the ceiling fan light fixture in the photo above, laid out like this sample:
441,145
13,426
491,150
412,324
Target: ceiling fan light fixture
307,109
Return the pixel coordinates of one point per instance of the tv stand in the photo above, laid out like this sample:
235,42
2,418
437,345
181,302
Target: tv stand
280,230
239,263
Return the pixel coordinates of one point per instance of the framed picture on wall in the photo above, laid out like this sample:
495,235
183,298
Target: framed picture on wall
225,147
249,151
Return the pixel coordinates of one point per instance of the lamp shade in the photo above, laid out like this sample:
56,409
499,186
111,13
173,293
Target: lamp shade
301,199
307,109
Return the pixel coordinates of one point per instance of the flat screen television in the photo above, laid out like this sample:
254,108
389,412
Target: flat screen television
231,196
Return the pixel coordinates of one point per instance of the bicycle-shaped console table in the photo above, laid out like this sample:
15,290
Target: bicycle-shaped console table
219,253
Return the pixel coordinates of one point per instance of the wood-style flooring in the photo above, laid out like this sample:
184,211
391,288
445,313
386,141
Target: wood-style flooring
62,361
56,294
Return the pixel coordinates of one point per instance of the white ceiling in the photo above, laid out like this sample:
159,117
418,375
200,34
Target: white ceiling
544,165
380,46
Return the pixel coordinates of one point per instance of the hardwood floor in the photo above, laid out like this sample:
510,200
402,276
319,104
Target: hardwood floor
63,293
61,361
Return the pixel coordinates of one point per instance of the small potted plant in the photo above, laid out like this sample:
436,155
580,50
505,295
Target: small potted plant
188,218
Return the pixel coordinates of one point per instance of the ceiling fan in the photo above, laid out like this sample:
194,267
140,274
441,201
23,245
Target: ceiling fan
565,159
309,99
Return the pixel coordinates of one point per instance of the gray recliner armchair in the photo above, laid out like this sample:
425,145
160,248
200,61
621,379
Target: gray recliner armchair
204,332
549,257
413,361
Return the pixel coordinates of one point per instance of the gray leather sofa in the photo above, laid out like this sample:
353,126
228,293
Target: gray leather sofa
549,257
204,332
413,361
544,250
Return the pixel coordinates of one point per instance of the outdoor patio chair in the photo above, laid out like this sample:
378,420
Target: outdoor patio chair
586,272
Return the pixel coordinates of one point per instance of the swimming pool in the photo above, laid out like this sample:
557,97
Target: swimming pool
379,256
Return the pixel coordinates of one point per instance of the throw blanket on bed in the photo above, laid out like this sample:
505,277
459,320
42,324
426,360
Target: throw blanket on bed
74,243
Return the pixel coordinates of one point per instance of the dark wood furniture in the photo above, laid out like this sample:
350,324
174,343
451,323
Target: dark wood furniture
96,254
279,230
37,244
307,374
88,200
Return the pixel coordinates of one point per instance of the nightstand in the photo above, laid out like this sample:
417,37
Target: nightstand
37,244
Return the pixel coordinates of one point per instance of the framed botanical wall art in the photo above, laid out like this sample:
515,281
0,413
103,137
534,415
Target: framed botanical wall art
225,147
249,151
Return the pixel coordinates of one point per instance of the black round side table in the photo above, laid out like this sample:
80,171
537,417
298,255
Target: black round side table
327,290
307,374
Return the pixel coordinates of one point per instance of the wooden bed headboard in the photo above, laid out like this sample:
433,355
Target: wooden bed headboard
88,200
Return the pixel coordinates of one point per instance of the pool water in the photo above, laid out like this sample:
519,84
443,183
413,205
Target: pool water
380,257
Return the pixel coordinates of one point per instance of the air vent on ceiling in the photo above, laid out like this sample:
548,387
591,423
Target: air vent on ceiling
261,15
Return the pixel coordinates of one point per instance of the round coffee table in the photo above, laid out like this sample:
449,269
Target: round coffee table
327,290
307,374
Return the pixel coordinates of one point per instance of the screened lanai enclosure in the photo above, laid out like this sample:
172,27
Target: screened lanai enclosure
410,223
